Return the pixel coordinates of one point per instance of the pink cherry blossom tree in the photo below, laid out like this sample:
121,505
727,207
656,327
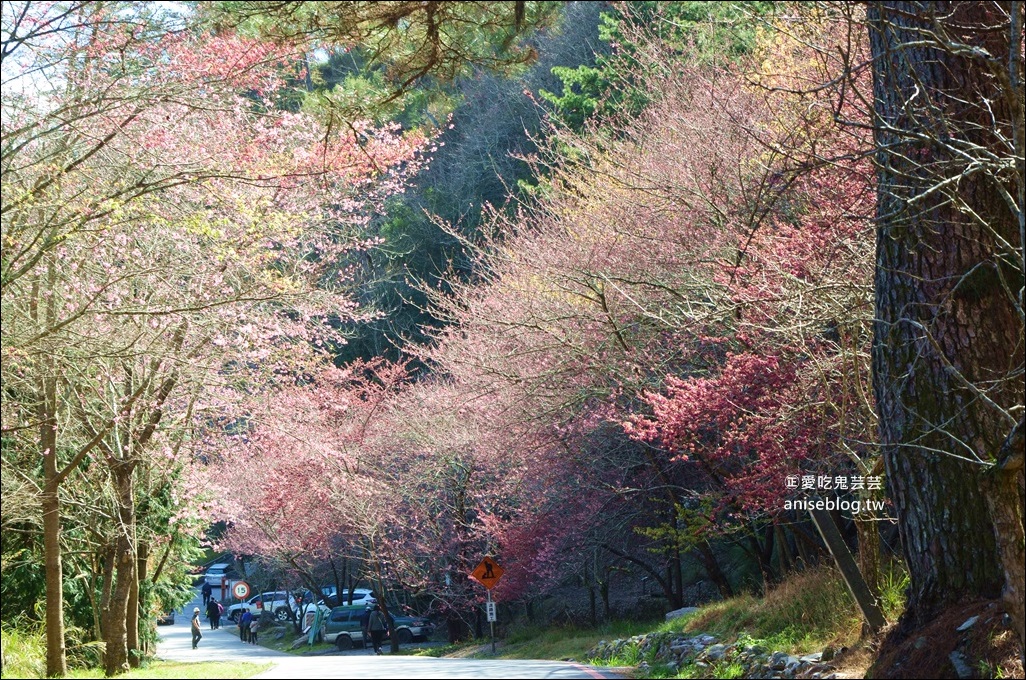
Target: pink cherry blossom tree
162,223
720,238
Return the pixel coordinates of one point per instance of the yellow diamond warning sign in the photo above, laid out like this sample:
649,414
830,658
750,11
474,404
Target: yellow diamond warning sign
487,573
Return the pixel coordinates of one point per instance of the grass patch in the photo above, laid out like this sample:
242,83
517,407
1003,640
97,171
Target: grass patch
567,642
441,652
631,656
808,611
304,650
536,642
893,584
268,638
725,671
181,669
24,650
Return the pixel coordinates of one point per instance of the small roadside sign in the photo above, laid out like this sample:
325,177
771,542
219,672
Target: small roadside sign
240,590
487,573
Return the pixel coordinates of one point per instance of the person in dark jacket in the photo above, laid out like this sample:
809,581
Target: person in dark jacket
206,590
214,614
378,625
364,619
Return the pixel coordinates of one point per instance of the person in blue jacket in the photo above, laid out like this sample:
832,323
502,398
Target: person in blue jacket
244,622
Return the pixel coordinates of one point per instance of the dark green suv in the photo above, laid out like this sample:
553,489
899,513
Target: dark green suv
343,627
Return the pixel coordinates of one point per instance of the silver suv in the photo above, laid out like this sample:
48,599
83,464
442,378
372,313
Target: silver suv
216,573
278,602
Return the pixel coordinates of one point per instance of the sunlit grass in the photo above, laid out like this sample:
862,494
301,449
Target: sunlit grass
440,652
809,610
894,582
25,657
568,642
24,651
181,669
537,642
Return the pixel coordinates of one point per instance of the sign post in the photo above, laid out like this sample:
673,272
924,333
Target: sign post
488,573
240,590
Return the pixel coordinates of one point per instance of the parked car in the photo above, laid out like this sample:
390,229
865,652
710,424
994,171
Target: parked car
360,596
326,593
410,628
278,602
217,572
342,627
308,613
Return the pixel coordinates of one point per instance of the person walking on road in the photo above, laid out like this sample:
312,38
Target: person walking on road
244,622
196,634
378,624
214,614
364,620
206,590
253,626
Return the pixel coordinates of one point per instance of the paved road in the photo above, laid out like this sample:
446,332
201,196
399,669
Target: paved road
219,645
216,645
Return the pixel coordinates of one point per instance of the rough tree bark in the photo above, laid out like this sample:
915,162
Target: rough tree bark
56,664
707,557
948,335
115,610
137,647
1004,487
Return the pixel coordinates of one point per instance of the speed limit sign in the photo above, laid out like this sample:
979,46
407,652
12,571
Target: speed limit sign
240,590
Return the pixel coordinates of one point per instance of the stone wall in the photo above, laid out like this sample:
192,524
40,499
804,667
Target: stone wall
676,650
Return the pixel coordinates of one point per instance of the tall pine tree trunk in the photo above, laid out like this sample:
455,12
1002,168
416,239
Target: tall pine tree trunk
1004,487
948,338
